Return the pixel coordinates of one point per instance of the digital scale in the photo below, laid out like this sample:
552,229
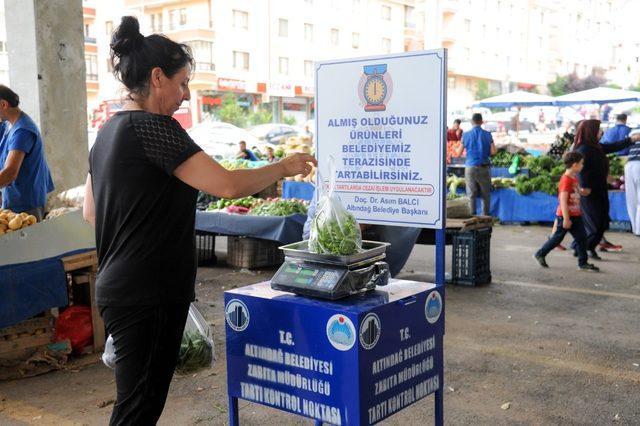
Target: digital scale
331,276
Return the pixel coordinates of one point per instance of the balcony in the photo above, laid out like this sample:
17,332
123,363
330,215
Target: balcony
88,12
184,33
449,7
149,3
90,40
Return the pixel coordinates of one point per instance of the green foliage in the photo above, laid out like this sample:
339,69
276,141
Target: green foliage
260,116
280,208
335,237
290,120
556,87
616,165
231,112
483,91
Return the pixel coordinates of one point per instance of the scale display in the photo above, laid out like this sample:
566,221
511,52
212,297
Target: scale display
308,276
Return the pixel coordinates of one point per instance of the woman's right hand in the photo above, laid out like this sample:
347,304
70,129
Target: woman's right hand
297,164
635,137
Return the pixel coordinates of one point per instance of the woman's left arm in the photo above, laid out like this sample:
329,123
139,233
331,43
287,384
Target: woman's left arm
610,148
88,205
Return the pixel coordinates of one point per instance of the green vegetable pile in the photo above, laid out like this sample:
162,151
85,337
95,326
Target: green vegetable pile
277,207
223,203
502,159
330,236
195,353
454,182
616,165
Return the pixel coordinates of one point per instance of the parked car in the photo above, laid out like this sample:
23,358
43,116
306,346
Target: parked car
220,140
274,133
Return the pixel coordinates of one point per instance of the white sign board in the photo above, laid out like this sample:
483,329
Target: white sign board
382,119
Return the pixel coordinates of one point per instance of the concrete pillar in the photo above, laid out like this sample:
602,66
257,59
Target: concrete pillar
45,41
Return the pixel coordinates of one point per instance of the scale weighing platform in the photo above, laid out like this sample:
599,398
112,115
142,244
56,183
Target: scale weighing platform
353,361
331,276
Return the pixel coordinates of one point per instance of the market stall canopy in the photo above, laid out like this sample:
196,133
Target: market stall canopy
518,98
599,95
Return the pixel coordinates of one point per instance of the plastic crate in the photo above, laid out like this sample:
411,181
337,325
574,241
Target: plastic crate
206,248
471,260
243,252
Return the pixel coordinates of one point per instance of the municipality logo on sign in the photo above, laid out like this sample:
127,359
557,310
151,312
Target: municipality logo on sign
341,332
370,331
433,307
237,315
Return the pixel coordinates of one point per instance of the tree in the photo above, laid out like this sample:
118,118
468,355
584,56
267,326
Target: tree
290,120
260,116
231,112
556,87
483,91
572,83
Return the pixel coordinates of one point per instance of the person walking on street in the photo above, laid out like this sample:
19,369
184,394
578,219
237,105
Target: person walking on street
477,172
568,216
632,187
593,178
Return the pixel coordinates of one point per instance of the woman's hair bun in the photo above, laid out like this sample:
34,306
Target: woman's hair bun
127,36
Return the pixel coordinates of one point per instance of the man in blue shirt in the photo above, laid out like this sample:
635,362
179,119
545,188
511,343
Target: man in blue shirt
617,133
477,172
25,179
244,153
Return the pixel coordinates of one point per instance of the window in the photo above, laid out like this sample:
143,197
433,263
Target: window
540,42
309,2
467,25
467,53
308,68
484,31
386,45
86,30
539,65
108,26
283,28
283,65
109,65
409,17
240,19
202,54
91,62
355,40
386,13
156,22
335,36
308,32
3,47
177,18
240,60
355,4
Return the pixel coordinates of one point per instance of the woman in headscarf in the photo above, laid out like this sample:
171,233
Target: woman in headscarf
593,178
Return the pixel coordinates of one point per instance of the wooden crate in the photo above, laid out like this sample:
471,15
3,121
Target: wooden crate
22,339
83,268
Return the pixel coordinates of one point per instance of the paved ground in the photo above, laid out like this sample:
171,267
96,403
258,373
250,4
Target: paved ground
560,345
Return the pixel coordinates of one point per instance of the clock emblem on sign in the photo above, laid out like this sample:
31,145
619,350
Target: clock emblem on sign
375,87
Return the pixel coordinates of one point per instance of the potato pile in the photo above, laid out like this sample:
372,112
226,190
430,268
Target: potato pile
10,221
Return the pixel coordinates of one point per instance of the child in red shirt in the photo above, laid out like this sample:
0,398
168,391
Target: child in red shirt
568,215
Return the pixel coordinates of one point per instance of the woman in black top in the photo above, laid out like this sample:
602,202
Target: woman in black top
593,178
144,177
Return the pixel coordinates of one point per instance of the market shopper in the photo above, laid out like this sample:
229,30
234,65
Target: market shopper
271,156
617,133
568,216
593,178
477,173
25,179
244,153
454,139
632,187
144,177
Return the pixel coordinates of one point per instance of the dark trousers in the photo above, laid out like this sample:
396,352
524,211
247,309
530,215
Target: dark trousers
147,341
579,236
